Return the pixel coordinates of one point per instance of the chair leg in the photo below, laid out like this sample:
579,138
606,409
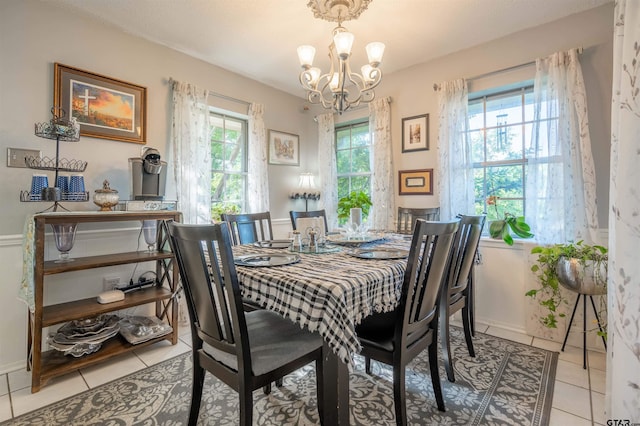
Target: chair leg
471,301
196,391
435,374
399,397
266,389
246,405
446,345
279,382
367,365
320,390
466,324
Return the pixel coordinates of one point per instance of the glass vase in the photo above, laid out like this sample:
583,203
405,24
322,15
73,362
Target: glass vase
64,235
150,232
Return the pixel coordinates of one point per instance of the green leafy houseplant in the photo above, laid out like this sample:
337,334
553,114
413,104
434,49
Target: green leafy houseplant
502,228
219,209
546,269
355,199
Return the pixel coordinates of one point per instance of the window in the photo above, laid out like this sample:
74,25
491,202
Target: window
353,144
500,128
228,164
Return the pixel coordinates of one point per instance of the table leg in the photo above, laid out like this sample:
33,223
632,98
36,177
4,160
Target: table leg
336,388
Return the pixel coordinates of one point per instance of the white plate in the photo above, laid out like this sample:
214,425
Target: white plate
260,259
379,253
274,244
353,241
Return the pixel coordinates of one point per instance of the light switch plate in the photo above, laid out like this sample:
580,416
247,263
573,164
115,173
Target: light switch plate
15,156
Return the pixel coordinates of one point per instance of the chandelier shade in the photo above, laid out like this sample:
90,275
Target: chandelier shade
340,88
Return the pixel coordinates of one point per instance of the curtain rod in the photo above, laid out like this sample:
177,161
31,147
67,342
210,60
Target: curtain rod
436,86
220,95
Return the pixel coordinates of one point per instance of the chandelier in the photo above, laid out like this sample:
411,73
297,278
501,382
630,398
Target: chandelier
340,88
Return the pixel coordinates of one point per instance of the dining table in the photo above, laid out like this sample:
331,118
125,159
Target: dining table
328,290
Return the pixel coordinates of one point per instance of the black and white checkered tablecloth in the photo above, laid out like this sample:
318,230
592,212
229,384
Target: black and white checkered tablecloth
329,292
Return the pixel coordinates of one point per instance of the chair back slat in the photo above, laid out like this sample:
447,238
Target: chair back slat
427,262
314,213
463,253
247,228
407,217
205,261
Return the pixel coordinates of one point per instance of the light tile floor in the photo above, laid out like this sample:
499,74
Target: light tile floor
578,396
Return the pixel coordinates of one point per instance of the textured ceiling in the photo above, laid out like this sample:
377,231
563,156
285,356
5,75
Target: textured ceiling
258,38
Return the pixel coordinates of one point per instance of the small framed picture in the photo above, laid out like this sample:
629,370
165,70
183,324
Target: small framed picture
415,133
104,107
416,182
284,148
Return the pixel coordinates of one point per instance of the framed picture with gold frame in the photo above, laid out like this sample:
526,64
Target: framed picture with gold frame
105,108
416,182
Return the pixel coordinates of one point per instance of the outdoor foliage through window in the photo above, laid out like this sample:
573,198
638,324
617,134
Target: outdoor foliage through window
228,164
500,128
353,143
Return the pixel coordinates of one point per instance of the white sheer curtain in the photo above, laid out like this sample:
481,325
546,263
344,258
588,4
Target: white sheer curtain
258,177
561,185
327,168
191,152
623,356
455,172
382,213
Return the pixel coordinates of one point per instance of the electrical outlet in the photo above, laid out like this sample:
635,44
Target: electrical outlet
16,156
110,282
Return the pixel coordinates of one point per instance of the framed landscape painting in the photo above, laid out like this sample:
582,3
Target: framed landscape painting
416,182
415,133
104,107
284,148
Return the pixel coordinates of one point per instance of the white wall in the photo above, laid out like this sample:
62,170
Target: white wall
34,35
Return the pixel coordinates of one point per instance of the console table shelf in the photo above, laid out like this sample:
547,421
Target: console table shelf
48,364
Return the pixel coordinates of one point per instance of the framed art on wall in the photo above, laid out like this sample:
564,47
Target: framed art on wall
284,148
416,182
415,133
104,107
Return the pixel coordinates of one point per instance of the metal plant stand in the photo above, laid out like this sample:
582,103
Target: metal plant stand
586,280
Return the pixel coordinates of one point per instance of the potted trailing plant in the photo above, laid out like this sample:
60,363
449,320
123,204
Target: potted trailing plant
502,228
577,266
355,199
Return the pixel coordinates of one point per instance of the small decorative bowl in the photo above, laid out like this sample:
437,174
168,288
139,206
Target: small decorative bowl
106,198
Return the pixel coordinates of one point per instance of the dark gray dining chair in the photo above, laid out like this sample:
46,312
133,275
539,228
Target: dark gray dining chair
314,213
247,228
245,350
407,217
395,338
457,292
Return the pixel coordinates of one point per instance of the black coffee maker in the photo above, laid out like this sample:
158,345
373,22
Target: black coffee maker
148,175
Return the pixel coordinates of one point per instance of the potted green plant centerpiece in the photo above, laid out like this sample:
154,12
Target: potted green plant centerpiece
579,267
507,223
355,200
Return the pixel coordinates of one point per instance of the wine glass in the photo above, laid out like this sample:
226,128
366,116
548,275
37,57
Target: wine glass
150,232
64,235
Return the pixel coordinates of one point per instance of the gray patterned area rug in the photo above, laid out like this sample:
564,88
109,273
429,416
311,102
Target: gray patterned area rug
507,383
